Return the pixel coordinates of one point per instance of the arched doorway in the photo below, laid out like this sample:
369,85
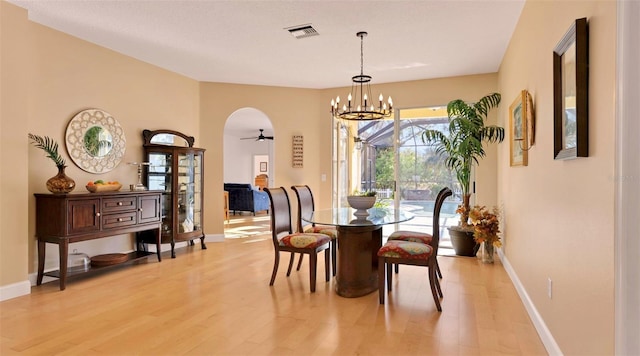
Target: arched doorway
247,154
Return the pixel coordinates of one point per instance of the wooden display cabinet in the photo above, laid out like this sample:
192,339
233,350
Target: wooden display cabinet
176,168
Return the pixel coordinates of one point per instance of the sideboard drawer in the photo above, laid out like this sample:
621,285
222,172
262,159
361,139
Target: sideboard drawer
112,221
125,203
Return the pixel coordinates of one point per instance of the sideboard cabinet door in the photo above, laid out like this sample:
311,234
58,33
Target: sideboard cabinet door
83,216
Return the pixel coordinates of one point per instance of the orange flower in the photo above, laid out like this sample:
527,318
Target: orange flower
486,225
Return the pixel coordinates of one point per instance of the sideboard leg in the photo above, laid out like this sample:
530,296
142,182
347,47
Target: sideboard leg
41,254
64,255
204,247
158,237
173,249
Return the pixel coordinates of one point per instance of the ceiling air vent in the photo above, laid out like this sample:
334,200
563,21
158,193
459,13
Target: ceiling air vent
302,31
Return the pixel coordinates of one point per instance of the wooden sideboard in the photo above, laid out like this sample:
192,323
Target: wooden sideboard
67,218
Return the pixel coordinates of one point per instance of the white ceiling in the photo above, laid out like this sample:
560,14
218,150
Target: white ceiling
246,42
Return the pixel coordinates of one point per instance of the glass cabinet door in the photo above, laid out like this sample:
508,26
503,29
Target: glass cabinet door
160,178
189,195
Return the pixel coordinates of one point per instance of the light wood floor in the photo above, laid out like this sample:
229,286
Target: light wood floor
218,301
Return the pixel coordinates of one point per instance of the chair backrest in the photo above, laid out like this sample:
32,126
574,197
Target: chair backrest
280,212
442,195
305,203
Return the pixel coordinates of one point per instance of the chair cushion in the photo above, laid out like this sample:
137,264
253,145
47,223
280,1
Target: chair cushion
326,230
412,236
405,249
304,240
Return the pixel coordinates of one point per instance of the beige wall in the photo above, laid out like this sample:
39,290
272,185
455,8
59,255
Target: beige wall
14,69
559,215
63,75
291,111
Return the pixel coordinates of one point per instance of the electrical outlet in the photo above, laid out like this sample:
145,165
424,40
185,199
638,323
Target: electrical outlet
549,288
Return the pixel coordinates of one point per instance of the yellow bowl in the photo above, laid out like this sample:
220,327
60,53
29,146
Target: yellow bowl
104,188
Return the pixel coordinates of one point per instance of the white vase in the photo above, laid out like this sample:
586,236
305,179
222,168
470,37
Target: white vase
361,204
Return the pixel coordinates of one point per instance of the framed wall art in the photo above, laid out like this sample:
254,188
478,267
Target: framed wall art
263,167
298,151
571,93
519,143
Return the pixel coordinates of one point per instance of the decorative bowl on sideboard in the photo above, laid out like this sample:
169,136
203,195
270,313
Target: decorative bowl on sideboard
104,188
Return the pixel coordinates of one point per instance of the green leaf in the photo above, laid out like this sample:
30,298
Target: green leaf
49,146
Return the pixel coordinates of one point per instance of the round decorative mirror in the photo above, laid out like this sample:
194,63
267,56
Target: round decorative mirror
95,141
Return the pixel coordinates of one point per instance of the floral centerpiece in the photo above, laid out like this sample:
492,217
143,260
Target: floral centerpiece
486,227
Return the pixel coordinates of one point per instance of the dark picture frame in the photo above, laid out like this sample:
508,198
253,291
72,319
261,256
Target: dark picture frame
571,93
263,166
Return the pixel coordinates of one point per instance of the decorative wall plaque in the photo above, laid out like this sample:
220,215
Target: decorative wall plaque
298,150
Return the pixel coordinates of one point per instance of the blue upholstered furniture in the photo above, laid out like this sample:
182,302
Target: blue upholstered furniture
243,197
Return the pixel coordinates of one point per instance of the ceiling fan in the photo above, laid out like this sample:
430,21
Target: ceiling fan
260,137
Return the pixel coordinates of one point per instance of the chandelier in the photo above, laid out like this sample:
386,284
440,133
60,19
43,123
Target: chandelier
359,105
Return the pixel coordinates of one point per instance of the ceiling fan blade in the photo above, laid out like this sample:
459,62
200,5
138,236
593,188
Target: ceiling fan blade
260,137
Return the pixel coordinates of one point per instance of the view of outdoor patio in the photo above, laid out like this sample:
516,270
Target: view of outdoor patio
420,175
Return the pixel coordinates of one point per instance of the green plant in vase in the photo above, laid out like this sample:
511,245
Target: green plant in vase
463,146
60,183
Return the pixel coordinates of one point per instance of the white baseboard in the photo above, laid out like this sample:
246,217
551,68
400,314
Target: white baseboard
214,238
15,290
547,338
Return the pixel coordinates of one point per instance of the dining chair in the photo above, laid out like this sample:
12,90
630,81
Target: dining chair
413,253
285,240
416,236
306,206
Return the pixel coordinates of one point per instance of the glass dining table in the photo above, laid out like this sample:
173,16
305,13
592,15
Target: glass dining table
359,239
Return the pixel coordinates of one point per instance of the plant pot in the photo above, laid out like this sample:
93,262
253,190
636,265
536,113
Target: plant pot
463,242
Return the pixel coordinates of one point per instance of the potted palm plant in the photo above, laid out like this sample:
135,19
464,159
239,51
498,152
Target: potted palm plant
462,148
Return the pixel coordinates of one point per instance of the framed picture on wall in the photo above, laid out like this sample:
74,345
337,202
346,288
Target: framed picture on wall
571,93
263,167
518,138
